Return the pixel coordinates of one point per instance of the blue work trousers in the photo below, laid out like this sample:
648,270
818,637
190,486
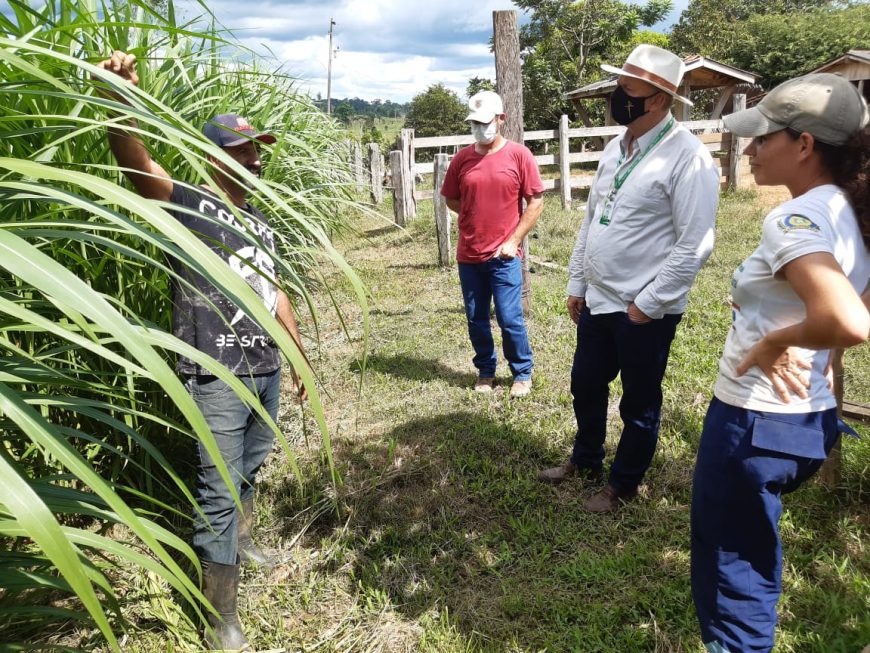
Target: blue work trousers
609,344
244,440
500,281
746,461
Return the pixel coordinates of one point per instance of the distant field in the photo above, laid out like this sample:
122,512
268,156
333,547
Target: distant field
389,127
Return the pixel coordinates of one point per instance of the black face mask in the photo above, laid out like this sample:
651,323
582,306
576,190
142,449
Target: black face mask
627,108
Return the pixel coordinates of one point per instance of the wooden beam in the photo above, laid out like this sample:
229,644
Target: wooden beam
721,102
858,412
684,111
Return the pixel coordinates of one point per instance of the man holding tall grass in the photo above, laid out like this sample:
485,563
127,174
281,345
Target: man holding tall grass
209,321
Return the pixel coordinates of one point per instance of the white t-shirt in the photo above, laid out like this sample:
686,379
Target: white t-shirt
821,220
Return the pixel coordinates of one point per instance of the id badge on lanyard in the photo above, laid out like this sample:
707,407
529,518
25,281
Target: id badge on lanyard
605,208
619,180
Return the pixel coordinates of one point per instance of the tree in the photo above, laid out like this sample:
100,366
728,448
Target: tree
437,112
779,47
344,113
564,42
776,40
478,84
713,27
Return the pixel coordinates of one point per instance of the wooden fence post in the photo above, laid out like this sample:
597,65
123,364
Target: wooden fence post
509,81
401,201
376,173
736,149
358,170
829,474
564,164
406,144
442,213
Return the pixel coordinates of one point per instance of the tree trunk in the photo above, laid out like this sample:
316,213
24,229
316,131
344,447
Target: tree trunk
509,82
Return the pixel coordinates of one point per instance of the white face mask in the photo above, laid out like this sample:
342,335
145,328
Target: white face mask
484,134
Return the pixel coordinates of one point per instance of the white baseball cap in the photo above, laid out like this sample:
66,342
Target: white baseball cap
485,106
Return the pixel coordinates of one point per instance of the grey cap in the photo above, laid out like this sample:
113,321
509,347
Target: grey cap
229,129
823,104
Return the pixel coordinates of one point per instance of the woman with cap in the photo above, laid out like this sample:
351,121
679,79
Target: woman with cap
773,419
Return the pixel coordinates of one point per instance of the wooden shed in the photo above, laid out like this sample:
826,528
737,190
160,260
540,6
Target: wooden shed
854,66
702,73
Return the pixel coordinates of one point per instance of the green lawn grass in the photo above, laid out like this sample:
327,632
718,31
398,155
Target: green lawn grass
444,541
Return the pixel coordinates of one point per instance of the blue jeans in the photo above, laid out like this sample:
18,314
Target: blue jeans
501,281
244,440
609,344
746,461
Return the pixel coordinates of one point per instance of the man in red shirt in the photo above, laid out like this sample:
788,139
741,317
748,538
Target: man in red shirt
486,184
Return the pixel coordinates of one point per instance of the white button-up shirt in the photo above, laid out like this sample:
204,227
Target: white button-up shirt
647,244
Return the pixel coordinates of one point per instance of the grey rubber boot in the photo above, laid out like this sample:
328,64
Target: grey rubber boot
220,585
249,552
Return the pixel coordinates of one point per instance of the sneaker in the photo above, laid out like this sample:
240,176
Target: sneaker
484,384
521,388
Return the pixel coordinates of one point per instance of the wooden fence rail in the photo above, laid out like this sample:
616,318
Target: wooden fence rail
726,149
731,168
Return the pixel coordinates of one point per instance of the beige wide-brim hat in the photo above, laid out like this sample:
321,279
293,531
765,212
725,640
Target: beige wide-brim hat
656,66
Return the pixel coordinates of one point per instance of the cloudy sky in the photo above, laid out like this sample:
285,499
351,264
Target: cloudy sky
388,49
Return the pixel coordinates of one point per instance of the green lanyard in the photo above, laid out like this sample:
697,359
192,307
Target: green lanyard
618,180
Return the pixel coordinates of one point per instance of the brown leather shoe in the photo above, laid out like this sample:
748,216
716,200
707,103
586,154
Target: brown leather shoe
609,499
484,384
555,475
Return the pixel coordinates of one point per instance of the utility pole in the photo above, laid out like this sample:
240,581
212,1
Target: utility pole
329,71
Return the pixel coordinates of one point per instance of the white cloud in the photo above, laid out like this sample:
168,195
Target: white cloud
389,49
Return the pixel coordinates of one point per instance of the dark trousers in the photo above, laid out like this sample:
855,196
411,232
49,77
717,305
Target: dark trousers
609,344
746,461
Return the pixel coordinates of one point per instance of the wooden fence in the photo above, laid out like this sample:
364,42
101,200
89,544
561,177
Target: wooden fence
726,150
733,169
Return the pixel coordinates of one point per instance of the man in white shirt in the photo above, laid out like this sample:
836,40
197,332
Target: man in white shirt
648,229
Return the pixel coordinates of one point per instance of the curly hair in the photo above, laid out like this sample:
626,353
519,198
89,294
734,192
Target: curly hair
849,165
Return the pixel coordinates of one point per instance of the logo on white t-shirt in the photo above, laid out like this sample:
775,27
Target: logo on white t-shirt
795,222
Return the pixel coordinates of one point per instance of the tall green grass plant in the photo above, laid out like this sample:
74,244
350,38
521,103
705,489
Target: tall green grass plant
91,412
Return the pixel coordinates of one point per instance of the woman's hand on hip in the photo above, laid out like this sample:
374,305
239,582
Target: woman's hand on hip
782,365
